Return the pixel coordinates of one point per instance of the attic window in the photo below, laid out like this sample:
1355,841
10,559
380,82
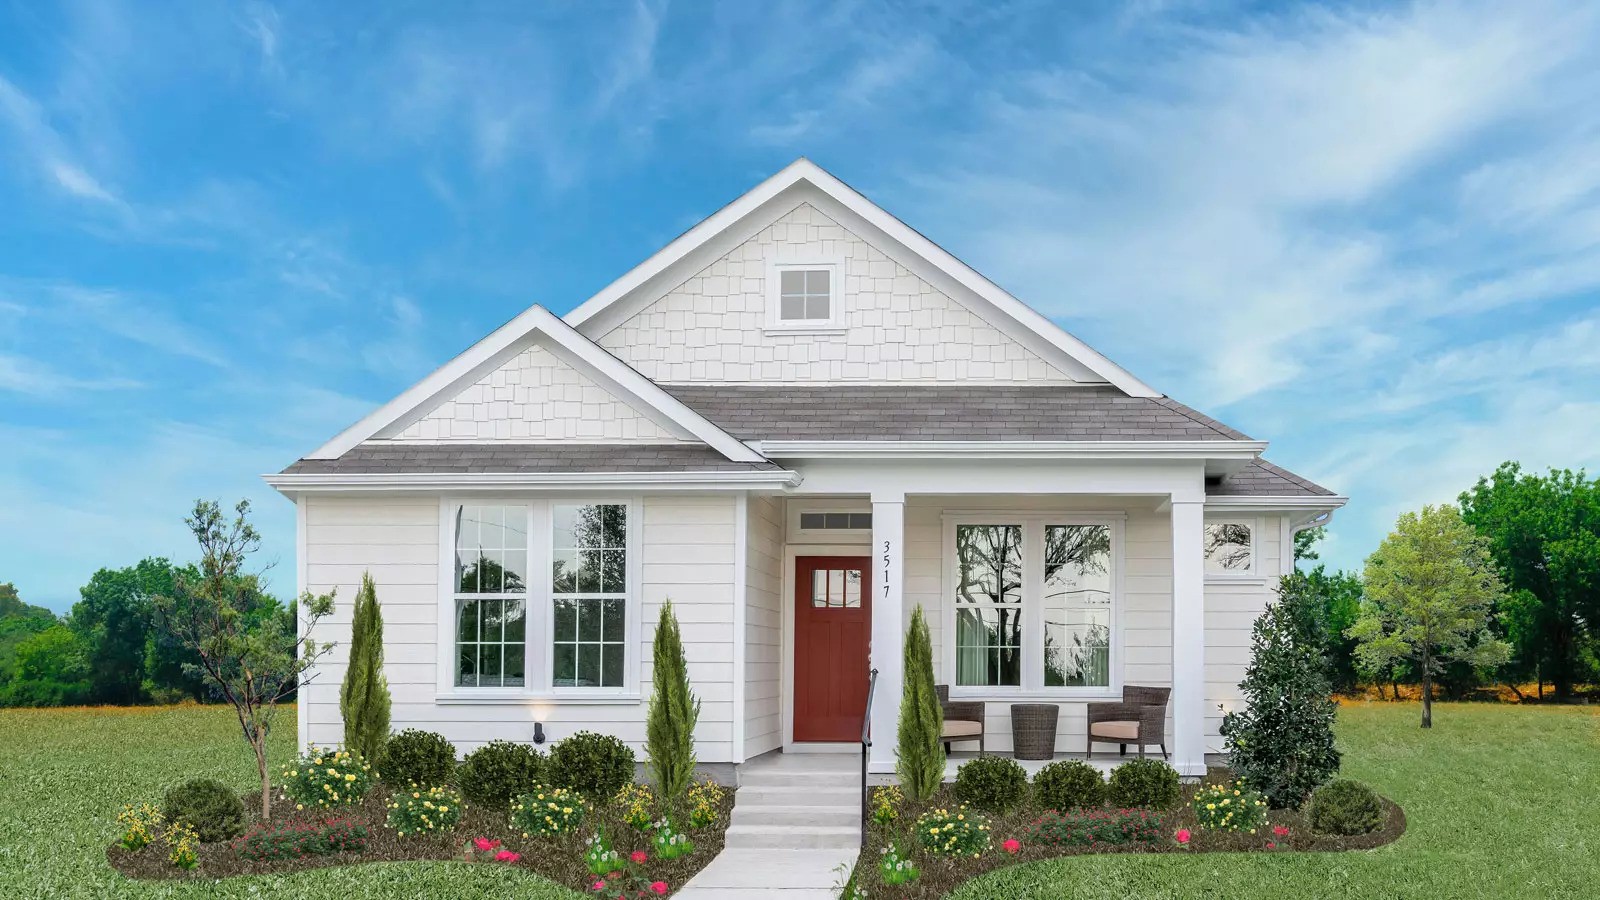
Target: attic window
804,296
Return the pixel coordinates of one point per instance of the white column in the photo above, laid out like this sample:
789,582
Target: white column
888,625
1188,637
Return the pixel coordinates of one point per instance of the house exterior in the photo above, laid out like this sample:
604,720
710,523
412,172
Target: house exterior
797,422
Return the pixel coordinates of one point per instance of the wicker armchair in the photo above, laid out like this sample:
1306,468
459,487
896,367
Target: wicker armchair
1140,719
963,719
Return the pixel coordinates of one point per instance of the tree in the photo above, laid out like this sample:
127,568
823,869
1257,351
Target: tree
1339,594
1430,590
1305,542
114,618
920,755
674,710
50,668
18,623
364,695
252,668
1281,743
1544,536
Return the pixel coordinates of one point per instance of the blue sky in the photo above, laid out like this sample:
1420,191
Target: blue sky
1368,233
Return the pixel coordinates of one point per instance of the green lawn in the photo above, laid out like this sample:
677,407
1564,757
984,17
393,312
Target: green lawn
1503,801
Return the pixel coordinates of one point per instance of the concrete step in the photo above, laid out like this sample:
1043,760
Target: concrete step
787,777
805,762
794,837
843,816
780,795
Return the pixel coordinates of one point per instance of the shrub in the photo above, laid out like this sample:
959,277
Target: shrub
886,802
270,842
674,709
1148,783
546,812
991,783
419,758
364,694
705,803
1281,742
207,806
1069,784
1093,827
942,832
425,811
1229,807
327,778
183,846
499,771
1345,807
139,825
920,753
594,765
637,803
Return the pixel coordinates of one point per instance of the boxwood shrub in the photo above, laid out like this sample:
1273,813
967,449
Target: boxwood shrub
498,772
991,783
1144,783
419,758
1069,784
594,765
1345,807
210,807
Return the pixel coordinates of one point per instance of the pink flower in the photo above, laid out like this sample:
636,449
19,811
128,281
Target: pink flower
1280,830
660,887
1182,835
506,856
1271,846
598,886
1012,845
485,844
639,856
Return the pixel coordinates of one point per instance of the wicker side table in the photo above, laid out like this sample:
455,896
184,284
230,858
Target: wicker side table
1033,730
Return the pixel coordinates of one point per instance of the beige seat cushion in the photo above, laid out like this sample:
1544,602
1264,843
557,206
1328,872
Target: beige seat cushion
962,729
1117,731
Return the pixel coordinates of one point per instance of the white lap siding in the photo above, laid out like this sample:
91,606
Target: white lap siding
1232,607
686,554
763,627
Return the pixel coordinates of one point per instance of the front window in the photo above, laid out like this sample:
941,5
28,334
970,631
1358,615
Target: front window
491,564
989,605
1228,548
1077,606
589,591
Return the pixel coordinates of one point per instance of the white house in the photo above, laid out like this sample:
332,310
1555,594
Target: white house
798,421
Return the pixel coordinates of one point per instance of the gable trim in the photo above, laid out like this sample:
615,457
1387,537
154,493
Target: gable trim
612,374
1062,347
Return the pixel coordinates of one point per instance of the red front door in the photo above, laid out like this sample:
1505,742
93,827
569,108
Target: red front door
832,623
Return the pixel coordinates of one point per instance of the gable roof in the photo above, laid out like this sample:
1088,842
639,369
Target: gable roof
805,181
574,349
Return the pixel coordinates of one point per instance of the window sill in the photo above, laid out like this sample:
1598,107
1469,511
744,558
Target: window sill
1236,579
1066,695
806,330
542,699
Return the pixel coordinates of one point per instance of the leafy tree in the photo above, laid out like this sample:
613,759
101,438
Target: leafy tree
1281,743
1543,533
920,756
674,710
1430,590
114,618
18,622
364,695
1339,594
51,668
252,668
1305,541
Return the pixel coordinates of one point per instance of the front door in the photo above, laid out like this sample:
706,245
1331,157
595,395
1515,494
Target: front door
832,624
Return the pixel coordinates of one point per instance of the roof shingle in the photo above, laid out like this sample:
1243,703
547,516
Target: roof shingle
518,458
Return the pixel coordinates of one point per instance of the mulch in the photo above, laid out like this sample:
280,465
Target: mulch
940,876
558,859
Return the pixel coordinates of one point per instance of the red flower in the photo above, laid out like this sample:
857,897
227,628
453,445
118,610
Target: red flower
506,856
639,856
598,886
1280,830
485,844
660,887
1182,835
1271,845
1012,845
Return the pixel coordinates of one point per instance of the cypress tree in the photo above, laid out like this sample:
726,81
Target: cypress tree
364,696
673,713
920,756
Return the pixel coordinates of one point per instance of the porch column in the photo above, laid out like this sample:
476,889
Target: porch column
888,626
1188,637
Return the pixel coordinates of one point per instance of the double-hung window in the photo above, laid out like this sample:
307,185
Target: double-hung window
540,597
1034,602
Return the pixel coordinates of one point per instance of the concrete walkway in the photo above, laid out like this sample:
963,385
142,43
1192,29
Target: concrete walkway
796,819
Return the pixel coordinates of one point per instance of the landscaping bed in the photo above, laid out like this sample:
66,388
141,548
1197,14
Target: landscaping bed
1012,838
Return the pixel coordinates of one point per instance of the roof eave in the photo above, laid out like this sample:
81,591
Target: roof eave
366,482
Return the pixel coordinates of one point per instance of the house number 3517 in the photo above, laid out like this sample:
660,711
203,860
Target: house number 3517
886,568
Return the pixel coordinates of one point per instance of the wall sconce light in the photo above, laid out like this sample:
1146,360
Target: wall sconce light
538,732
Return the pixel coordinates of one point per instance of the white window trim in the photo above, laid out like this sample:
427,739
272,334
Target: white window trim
834,324
538,659
1033,525
1242,576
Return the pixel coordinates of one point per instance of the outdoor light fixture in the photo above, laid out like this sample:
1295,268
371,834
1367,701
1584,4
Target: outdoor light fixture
538,732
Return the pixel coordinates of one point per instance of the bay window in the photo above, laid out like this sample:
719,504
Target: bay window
1034,602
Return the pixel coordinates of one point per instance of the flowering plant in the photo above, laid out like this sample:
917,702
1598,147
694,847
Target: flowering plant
1095,827
424,811
600,858
267,841
669,842
959,833
617,877
1229,807
896,868
546,812
637,803
705,799
139,825
327,778
1012,846
1182,837
183,846
886,802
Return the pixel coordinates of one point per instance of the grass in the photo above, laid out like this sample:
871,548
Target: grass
66,773
1500,802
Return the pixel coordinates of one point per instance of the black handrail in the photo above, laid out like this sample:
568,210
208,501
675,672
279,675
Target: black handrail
866,746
